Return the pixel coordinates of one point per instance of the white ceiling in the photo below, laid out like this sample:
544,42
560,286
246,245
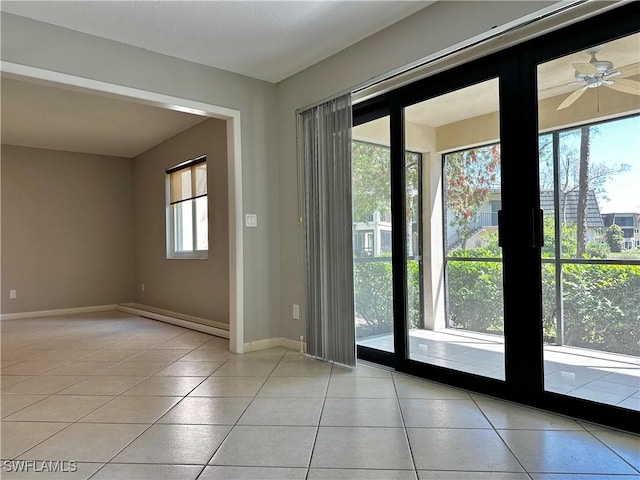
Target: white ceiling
269,40
43,116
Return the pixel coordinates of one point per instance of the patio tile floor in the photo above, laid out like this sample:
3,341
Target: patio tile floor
590,374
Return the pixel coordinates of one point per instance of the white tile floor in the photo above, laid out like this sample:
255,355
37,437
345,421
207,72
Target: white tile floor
130,398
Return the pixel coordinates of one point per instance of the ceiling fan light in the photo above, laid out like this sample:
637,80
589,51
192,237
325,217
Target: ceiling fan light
603,66
594,82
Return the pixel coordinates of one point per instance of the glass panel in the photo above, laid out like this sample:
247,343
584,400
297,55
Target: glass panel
458,196
201,179
373,289
588,105
472,198
180,185
413,186
202,224
183,226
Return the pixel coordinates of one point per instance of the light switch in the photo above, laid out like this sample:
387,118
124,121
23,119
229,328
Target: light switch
251,220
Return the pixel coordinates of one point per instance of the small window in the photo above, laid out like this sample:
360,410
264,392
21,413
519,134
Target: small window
187,210
385,241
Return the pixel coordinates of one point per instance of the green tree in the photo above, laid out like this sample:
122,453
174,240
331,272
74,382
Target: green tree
598,250
370,179
615,238
583,190
469,176
567,238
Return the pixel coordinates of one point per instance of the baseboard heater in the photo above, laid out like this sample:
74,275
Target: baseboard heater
188,321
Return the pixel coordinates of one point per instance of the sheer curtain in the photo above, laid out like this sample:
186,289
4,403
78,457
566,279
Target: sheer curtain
325,146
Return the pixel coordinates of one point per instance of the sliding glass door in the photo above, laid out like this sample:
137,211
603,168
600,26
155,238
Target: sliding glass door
588,104
512,184
463,323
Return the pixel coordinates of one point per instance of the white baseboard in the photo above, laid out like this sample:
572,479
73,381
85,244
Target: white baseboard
163,317
292,344
261,344
168,318
58,312
271,343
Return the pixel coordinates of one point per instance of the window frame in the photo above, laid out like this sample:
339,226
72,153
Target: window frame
171,234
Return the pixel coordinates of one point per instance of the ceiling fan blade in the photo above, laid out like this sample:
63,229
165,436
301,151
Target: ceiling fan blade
615,73
585,68
572,98
626,85
630,69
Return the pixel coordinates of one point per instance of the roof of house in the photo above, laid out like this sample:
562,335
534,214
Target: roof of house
594,218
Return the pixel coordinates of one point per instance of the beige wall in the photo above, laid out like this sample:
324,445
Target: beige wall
468,133
485,128
67,229
192,287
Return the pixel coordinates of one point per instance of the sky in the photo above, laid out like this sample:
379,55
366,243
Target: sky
619,142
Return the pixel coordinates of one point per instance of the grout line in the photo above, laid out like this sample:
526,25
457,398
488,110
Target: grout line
404,426
241,414
504,442
611,448
315,437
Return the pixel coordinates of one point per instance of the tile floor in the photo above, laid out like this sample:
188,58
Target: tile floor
123,397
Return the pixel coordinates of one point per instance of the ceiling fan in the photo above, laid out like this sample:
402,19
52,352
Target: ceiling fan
597,73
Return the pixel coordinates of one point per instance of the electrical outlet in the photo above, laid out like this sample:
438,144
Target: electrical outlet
251,220
296,311
12,294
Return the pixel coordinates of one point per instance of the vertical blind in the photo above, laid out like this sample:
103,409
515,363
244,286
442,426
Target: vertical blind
325,147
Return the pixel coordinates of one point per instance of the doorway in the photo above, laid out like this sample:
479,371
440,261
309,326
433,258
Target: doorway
234,159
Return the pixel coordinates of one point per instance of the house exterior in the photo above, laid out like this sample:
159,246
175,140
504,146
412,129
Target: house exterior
569,211
486,220
630,224
372,235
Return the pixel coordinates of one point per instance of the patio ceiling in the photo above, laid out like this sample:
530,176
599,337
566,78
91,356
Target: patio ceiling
554,78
